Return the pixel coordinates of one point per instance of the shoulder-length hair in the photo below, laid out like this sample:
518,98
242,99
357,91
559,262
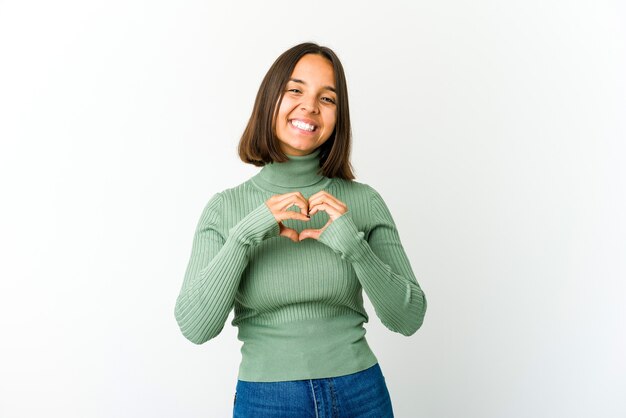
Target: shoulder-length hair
259,145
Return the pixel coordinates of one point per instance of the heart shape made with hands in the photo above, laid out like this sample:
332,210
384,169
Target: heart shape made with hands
296,236
320,201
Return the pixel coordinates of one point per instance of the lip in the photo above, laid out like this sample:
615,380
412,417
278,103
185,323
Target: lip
306,120
302,131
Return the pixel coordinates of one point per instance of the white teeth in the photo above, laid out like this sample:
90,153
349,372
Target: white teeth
302,125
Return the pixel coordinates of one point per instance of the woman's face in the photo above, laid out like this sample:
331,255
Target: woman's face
308,112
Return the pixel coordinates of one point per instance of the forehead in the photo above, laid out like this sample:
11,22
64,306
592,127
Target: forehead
314,69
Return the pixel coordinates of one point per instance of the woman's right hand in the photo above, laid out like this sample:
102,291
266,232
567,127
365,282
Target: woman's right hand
278,205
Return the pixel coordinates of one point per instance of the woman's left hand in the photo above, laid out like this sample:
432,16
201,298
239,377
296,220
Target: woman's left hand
323,200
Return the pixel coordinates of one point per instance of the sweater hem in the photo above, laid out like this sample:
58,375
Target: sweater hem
308,349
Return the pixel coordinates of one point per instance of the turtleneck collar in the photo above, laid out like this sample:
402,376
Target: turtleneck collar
300,172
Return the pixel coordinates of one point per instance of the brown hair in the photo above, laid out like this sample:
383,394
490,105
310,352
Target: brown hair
259,145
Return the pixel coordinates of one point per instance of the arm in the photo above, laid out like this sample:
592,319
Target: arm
381,265
215,268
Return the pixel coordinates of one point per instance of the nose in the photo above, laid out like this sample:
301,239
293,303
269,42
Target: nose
309,104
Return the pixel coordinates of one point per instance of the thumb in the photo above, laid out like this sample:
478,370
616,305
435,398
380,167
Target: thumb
310,233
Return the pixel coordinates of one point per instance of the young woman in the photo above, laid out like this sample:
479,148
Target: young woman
295,277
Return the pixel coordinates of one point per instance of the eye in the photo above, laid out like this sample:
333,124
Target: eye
328,100
294,90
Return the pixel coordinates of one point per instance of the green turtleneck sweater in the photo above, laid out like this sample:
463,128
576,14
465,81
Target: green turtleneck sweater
298,306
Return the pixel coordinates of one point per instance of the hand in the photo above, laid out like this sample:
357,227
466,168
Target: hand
323,200
278,205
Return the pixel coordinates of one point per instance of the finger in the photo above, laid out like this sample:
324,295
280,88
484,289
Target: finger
277,198
292,234
285,208
278,203
313,233
327,198
332,210
292,214
291,199
330,204
324,195
279,208
320,193
309,233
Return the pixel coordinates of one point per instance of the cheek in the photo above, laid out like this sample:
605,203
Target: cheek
331,119
285,107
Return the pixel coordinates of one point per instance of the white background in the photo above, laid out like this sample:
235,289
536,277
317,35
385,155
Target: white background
494,131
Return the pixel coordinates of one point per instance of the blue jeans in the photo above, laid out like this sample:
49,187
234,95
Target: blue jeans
359,395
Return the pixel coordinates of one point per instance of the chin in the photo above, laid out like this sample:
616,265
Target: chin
303,149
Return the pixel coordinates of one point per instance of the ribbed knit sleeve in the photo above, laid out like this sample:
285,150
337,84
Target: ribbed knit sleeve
381,266
216,266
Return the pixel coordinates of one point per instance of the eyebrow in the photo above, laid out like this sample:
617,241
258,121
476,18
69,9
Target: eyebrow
296,80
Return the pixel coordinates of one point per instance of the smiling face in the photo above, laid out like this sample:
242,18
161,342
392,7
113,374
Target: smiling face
308,111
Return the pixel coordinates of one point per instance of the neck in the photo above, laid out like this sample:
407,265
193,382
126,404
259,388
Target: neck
301,171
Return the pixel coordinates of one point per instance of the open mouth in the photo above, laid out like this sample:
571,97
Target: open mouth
303,126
